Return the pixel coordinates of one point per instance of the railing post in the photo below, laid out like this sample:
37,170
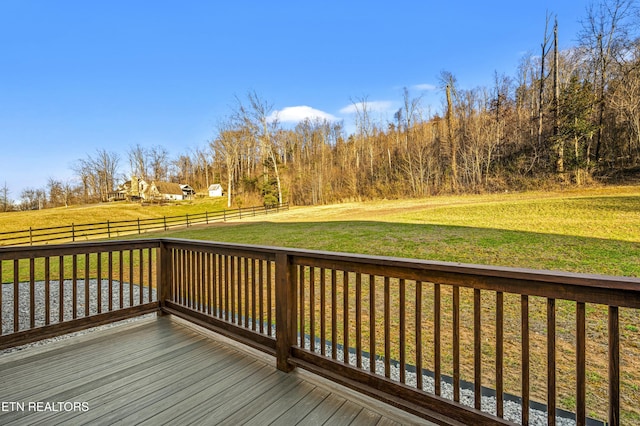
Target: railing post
614,366
163,280
286,310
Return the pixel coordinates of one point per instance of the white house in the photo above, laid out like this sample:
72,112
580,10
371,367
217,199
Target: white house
166,191
215,190
171,191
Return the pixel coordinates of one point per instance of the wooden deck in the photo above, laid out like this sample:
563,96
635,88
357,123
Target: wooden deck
164,371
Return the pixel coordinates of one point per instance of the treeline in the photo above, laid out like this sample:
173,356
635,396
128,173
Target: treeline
566,117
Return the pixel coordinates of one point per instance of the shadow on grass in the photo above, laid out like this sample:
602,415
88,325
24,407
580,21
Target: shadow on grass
436,242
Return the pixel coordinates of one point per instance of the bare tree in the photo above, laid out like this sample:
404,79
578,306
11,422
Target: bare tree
106,165
544,46
138,162
84,171
158,160
4,198
227,146
364,132
257,118
149,163
97,174
605,36
625,99
33,199
413,150
556,102
54,188
450,151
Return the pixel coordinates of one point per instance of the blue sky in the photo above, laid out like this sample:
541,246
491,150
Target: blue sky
81,76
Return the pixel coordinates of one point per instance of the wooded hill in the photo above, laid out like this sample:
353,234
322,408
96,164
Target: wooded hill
566,118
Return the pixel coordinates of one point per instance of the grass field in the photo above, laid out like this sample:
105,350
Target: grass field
590,231
593,230
96,213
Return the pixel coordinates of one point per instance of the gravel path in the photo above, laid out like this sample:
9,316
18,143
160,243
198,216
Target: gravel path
512,408
67,305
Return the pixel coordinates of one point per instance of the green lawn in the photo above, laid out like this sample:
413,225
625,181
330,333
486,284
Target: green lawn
585,231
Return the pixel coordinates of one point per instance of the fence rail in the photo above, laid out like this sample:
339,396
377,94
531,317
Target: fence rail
114,229
437,339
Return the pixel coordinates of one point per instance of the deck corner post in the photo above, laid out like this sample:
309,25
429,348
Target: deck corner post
285,310
164,275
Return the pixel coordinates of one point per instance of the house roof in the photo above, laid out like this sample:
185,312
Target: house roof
168,188
187,188
215,186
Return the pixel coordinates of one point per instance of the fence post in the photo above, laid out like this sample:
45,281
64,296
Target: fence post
165,222
206,217
163,278
73,232
286,310
139,232
224,215
240,212
108,229
187,218
30,236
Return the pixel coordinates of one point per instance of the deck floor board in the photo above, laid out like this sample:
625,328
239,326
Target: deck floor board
100,394
323,411
161,371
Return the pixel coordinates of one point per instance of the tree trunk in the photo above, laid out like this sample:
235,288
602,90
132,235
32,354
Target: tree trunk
452,142
556,103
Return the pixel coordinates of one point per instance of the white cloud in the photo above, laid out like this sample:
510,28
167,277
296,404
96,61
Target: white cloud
371,106
424,86
296,114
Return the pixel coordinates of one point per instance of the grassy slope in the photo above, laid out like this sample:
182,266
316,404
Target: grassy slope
590,231
594,230
96,213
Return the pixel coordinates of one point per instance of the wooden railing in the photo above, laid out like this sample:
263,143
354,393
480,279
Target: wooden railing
53,290
433,338
229,287
118,228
